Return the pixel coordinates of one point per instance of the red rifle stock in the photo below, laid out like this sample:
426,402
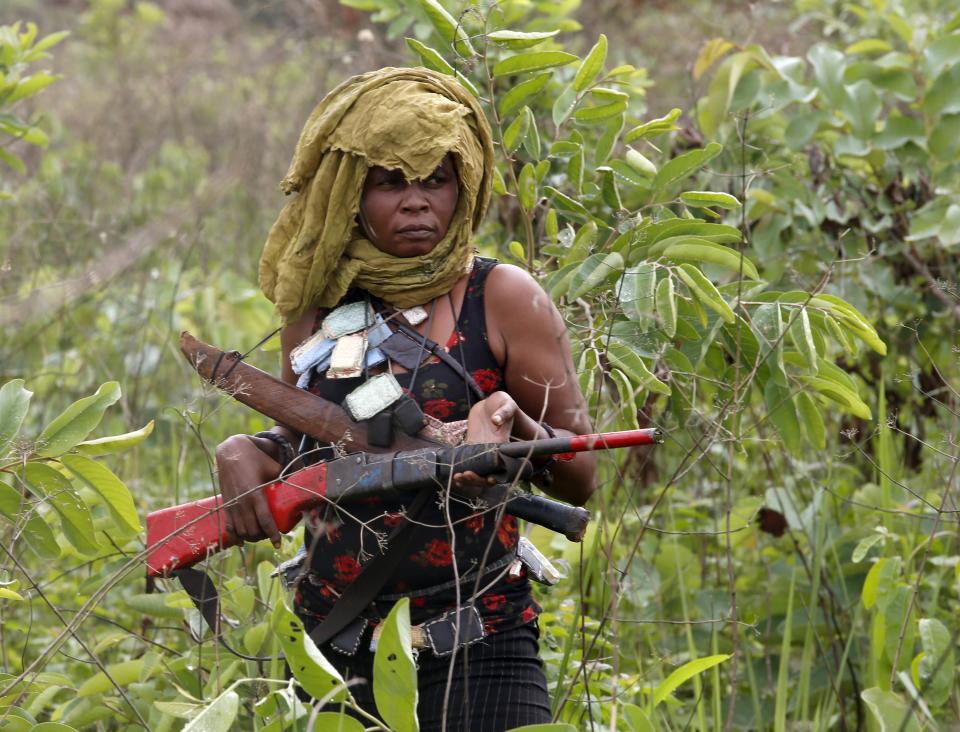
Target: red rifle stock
183,535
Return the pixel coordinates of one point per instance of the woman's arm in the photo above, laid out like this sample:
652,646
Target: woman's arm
529,339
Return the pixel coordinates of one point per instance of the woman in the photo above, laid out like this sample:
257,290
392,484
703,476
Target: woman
393,173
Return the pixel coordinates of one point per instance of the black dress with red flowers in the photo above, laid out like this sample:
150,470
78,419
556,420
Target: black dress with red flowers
340,539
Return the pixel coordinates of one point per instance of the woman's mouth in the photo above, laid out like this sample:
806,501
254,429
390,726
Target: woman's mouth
416,232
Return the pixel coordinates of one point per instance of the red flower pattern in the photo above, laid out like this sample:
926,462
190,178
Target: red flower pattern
347,568
487,379
507,531
418,602
475,523
493,601
392,519
438,553
455,338
439,408
528,614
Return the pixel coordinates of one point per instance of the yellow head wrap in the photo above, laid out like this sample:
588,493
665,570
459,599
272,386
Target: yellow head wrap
406,119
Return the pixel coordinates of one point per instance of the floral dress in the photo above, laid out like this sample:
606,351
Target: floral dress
343,538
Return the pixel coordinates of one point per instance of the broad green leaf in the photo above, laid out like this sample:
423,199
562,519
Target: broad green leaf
219,716
77,421
812,421
608,139
704,199
14,402
531,138
868,46
936,669
595,270
684,165
627,174
516,40
499,185
711,52
624,357
783,414
842,396
717,233
40,537
336,722
448,27
564,105
123,673
768,326
704,251
527,183
46,43
667,306
828,67
852,319
575,170
863,546
57,491
115,443
880,582
940,54
521,92
889,711
516,131
7,594
30,85
636,291
565,203
601,113
517,250
637,719
591,65
315,673
898,131
640,163
657,126
533,61
111,489
10,500
705,291
626,399
395,672
686,672
802,337
430,57
862,108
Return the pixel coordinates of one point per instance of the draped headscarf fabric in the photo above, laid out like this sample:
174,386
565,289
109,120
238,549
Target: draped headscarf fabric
406,119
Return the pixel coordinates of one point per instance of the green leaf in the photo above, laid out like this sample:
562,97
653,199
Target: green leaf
77,421
869,46
517,250
13,161
111,489
430,57
654,127
14,402
515,40
601,113
783,414
637,719
30,85
594,271
667,306
768,327
802,337
636,291
315,673
219,716
940,54
684,165
863,546
336,722
527,183
565,203
395,672
936,669
534,61
40,538
531,139
608,139
898,131
591,65
686,672
123,673
812,421
704,199
828,67
115,443
447,26
640,163
862,109
7,594
705,291
704,251
842,396
514,134
521,92
10,501
889,711
62,496
564,105
624,357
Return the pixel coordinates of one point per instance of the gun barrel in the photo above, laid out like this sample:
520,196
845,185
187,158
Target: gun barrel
582,443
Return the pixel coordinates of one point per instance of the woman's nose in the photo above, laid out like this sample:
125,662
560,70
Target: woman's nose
414,200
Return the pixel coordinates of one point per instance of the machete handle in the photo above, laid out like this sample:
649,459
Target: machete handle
571,521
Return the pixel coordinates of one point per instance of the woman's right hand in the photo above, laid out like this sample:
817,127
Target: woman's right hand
244,469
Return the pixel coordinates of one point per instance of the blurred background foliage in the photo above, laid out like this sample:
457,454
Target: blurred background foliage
808,529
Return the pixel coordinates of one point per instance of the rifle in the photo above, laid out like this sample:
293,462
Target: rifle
180,536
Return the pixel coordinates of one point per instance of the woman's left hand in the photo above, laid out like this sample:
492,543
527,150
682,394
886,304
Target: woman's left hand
490,420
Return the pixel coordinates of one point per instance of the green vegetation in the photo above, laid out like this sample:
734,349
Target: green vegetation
770,276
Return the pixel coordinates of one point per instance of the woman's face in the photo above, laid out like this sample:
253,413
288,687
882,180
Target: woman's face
408,219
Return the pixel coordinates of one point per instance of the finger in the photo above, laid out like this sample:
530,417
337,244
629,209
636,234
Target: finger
505,413
267,525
